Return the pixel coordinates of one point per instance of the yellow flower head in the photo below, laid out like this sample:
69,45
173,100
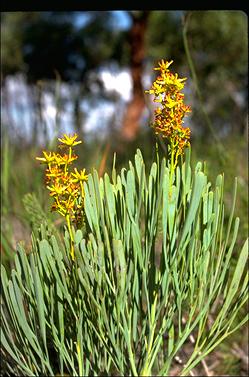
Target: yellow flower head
47,159
66,159
56,189
54,172
79,176
163,65
70,140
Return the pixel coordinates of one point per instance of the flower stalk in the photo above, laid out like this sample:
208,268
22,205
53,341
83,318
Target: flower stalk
70,235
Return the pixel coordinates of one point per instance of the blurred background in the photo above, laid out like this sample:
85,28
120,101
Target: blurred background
86,72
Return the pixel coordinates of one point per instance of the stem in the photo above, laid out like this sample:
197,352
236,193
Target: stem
129,343
69,158
71,236
172,166
146,370
82,189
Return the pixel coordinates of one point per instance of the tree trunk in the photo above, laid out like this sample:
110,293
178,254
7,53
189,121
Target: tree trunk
132,116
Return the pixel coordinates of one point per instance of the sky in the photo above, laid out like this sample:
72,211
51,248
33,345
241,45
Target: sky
122,20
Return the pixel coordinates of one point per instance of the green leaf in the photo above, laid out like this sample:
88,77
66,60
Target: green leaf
199,184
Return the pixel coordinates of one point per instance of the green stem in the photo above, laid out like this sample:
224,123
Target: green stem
69,157
82,189
172,166
71,236
146,370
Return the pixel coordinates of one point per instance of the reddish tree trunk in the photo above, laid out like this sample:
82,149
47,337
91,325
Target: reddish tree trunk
131,121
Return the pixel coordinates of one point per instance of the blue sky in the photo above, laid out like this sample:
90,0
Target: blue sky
122,20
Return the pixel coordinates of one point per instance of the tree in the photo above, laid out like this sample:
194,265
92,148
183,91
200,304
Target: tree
51,44
42,43
131,121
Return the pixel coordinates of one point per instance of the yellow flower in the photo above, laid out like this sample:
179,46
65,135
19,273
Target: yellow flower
66,159
170,102
79,175
56,189
54,172
69,204
69,140
163,65
72,190
47,159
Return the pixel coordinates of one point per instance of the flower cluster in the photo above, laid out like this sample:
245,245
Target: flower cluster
65,186
169,118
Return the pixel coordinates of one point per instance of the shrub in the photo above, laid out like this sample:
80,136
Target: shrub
150,268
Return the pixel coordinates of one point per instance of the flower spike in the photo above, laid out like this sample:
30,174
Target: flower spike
169,118
66,188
